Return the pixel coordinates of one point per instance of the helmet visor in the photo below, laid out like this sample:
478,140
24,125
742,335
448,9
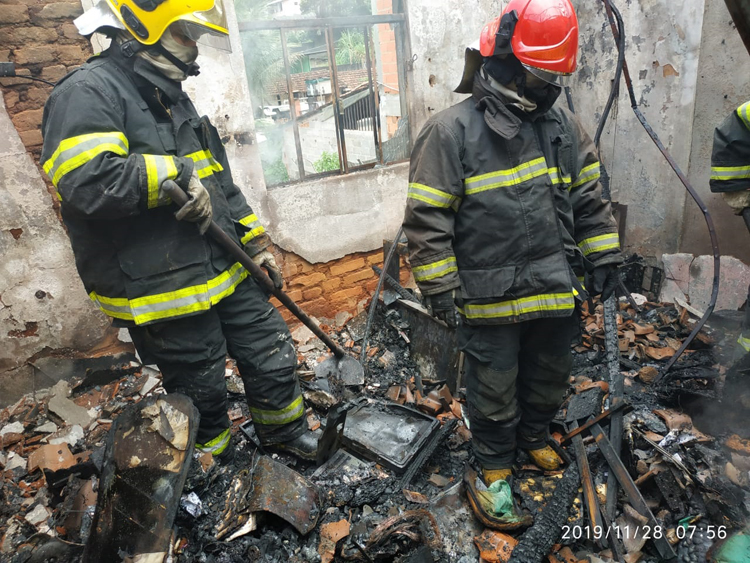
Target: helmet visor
547,75
208,28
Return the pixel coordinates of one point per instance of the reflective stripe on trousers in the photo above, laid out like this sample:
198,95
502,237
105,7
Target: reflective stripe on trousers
217,445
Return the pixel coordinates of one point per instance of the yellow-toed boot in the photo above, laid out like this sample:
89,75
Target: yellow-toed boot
492,475
545,458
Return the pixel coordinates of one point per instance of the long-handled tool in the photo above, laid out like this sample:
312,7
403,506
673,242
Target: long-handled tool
343,366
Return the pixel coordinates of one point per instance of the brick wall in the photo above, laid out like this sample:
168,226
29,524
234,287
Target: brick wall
41,39
387,39
323,290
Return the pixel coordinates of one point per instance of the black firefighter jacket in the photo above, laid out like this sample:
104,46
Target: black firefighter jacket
730,160
505,206
114,130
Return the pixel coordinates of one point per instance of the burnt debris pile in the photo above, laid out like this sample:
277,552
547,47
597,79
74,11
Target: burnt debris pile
88,462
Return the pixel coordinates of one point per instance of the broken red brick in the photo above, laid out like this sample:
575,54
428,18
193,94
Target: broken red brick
495,547
734,442
586,385
330,534
648,374
52,457
415,497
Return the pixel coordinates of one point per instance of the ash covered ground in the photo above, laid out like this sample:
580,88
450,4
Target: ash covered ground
686,444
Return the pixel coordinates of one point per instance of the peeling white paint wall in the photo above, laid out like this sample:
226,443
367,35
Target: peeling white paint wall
662,47
439,33
42,302
221,92
327,219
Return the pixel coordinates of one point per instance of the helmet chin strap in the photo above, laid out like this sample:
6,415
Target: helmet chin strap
189,69
132,47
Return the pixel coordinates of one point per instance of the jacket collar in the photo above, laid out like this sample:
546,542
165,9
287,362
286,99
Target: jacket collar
499,112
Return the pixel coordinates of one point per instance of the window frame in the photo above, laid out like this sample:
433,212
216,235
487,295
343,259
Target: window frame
398,22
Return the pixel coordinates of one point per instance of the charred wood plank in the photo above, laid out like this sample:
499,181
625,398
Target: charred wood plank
634,495
537,541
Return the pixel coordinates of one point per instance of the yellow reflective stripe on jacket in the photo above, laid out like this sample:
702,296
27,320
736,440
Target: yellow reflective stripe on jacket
205,163
518,307
77,151
431,196
730,172
173,303
505,178
744,342
554,174
744,112
600,243
217,445
158,169
283,416
435,270
252,222
587,174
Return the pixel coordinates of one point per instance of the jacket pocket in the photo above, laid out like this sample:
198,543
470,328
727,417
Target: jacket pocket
141,261
210,138
486,283
166,136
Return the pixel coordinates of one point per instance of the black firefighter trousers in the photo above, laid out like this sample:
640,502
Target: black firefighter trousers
191,354
516,379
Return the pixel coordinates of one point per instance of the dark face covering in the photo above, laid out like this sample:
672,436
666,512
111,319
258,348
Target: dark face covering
510,72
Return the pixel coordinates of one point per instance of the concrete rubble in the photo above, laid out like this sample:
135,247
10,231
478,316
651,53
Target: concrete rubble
690,278
360,506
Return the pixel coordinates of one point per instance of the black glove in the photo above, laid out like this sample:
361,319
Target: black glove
604,280
442,306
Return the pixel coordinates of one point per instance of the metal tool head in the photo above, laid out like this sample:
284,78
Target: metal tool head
345,369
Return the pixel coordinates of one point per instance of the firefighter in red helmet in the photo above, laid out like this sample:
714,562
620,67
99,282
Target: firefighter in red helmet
504,218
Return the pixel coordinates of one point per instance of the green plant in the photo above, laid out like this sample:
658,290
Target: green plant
350,48
328,161
275,173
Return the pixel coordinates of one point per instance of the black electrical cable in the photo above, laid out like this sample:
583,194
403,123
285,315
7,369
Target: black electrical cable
376,295
618,32
614,92
34,78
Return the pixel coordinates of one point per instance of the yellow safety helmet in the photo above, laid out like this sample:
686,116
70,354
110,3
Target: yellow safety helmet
203,21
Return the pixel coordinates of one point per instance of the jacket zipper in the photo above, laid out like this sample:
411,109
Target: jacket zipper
538,135
158,98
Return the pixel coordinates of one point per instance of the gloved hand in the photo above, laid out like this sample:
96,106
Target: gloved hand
198,208
604,280
265,259
443,306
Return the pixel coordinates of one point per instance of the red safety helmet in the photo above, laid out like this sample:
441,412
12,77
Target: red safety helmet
542,34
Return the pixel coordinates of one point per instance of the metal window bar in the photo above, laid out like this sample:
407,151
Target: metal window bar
292,106
401,51
328,24
374,100
338,106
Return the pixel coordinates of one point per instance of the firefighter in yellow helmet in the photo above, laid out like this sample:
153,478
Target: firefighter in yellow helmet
114,131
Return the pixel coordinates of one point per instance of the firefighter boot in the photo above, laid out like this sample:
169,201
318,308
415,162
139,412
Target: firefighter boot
304,446
545,458
492,475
